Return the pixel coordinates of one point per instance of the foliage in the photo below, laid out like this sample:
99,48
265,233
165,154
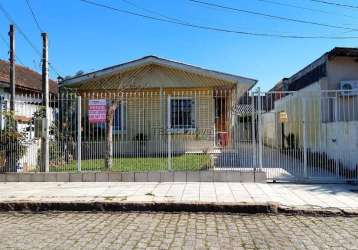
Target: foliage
12,142
58,143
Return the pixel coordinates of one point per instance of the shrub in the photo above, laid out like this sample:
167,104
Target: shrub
12,142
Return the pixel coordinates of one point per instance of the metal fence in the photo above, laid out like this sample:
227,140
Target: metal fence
290,135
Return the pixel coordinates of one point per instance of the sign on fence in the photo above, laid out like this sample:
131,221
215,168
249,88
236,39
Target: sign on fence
97,110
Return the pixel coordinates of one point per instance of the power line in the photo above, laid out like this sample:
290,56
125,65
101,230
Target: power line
271,16
27,39
336,4
34,15
211,28
11,20
151,11
305,8
7,45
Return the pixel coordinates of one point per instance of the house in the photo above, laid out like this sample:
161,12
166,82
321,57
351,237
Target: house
318,108
158,101
28,90
27,101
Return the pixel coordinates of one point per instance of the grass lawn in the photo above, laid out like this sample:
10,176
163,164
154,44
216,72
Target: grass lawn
192,162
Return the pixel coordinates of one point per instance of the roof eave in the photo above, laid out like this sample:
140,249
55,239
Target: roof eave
73,82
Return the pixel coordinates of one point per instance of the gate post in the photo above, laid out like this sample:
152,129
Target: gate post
304,112
79,133
260,127
169,136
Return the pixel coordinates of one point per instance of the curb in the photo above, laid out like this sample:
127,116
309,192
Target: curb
104,206
140,206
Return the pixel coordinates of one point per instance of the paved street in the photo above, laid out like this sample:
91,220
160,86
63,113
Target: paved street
176,230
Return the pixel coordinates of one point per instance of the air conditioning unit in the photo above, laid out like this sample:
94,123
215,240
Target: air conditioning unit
349,88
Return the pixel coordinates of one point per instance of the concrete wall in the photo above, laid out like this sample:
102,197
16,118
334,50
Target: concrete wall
271,129
340,69
340,141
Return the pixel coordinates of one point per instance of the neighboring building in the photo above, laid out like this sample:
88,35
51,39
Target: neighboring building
321,104
28,89
28,81
155,97
27,101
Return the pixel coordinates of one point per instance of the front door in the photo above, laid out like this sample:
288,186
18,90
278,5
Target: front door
221,121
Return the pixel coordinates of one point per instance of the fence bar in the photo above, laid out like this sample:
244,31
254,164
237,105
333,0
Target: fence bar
169,136
253,128
79,132
304,117
260,127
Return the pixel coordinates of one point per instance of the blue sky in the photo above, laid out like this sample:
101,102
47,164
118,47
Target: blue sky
84,37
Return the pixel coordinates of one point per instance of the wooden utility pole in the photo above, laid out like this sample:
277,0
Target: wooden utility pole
45,97
12,67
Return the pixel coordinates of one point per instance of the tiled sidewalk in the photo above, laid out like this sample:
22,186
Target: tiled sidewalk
290,195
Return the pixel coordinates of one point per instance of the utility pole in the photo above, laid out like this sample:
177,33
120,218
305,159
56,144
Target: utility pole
12,67
45,103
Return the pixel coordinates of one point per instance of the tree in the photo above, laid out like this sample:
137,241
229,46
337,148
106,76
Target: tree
114,99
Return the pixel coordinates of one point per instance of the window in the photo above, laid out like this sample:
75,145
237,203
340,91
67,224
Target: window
182,113
119,119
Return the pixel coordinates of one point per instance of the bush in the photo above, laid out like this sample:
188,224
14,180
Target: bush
12,143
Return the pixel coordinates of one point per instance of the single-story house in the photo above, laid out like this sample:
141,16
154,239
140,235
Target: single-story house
159,100
27,101
320,102
28,90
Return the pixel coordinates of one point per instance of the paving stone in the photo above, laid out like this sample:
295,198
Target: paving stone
63,177
38,177
115,177
88,177
193,176
25,177
206,176
166,176
12,177
153,176
179,176
158,230
127,177
102,177
141,177
50,177
75,177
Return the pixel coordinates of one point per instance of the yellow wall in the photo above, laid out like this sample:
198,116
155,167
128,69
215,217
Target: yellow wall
147,113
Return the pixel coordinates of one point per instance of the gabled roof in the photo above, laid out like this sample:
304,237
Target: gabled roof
26,79
153,60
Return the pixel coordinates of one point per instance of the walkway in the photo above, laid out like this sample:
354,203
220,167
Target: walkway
289,195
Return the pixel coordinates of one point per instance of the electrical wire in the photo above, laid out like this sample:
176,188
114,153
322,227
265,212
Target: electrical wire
271,16
151,11
211,28
336,4
27,39
7,44
34,16
279,3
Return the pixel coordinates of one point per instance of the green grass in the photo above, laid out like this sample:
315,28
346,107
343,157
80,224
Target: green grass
192,162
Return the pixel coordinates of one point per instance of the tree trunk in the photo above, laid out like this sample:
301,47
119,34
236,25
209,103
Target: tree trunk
109,142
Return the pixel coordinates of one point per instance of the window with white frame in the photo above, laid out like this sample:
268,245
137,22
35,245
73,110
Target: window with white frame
182,113
120,118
